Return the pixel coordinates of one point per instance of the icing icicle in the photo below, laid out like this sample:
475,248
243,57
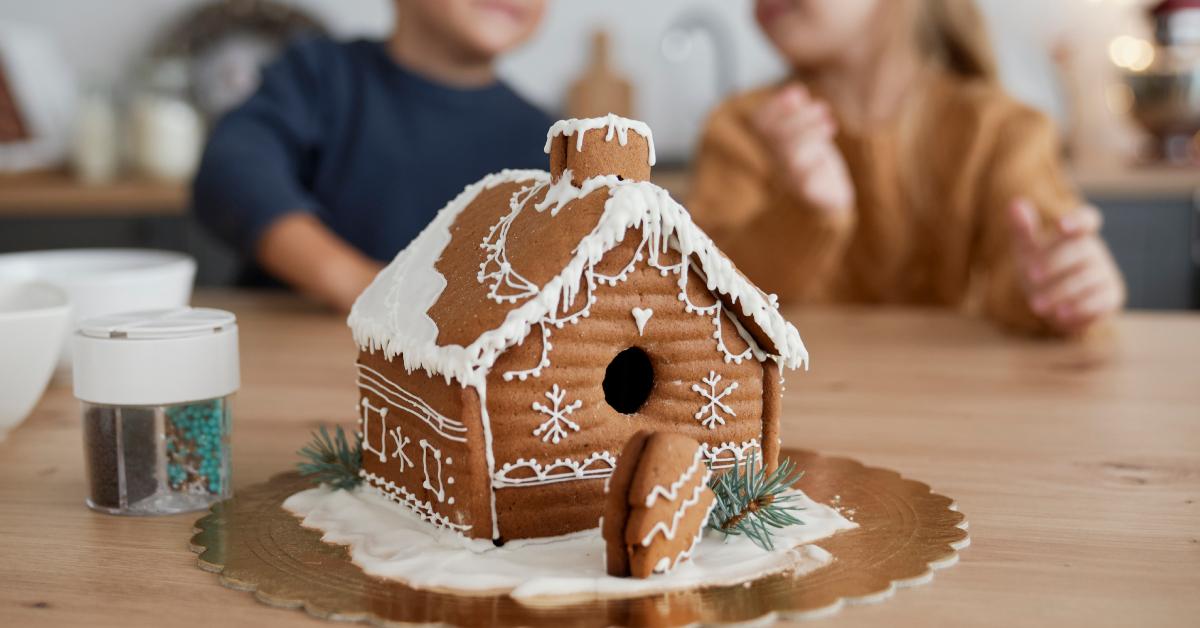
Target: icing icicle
616,125
391,314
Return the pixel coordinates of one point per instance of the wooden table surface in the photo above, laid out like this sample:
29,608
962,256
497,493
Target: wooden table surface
1077,465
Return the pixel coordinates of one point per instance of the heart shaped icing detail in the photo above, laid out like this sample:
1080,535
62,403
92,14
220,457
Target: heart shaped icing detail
640,316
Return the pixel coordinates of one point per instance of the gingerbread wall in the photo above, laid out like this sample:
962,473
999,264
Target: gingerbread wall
423,446
683,353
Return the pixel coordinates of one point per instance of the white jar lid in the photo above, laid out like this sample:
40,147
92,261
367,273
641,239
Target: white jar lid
157,357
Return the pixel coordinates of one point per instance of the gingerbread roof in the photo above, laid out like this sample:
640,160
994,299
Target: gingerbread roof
521,247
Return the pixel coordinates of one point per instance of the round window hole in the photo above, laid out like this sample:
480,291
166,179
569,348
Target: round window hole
628,380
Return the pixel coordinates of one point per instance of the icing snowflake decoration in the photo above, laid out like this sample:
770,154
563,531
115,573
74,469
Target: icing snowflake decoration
399,442
554,429
713,406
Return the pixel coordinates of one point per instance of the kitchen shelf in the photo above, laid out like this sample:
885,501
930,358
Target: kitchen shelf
1138,182
56,194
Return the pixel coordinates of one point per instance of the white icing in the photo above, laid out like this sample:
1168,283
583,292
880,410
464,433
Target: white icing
641,316
669,531
667,563
365,418
671,493
555,428
615,124
687,553
489,454
564,309
712,401
391,314
399,398
726,455
432,481
399,442
564,192
524,472
390,542
420,509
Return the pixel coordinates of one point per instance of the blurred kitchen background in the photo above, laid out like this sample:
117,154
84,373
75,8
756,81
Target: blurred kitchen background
104,105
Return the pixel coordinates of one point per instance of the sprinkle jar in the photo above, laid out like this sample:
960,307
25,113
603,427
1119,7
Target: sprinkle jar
155,388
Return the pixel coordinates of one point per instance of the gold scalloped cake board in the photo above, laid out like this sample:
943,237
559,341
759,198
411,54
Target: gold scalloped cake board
905,532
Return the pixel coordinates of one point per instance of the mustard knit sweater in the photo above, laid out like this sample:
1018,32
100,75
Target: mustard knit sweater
932,189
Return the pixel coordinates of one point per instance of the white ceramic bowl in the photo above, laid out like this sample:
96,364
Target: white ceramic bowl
33,324
106,281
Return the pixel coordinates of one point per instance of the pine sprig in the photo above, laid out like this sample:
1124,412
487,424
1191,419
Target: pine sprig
754,503
332,460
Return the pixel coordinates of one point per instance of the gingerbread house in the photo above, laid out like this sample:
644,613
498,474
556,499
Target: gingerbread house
543,318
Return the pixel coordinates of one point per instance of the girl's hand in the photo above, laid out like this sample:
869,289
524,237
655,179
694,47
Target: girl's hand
800,131
1069,276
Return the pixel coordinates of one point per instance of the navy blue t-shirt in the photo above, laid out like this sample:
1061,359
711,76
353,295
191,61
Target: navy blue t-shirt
372,149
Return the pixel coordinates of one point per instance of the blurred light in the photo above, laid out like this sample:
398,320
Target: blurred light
1131,53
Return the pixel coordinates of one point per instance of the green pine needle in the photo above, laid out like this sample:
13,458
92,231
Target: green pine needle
754,503
333,461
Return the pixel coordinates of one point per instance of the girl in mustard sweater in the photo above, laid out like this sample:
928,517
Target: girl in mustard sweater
892,168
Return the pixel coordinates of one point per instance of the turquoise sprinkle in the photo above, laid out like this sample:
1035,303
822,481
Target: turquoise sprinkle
197,443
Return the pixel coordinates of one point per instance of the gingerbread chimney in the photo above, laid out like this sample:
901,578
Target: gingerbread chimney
593,147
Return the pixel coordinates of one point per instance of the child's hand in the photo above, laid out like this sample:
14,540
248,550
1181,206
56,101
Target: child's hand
800,131
1069,275
299,249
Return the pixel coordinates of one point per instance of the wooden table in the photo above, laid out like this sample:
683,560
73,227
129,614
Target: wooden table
1078,467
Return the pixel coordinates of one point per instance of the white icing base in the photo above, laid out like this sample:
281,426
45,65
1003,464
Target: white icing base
390,542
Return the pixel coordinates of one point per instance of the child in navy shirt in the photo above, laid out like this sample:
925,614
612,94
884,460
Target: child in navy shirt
347,150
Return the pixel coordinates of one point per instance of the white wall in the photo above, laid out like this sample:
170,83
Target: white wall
672,97
102,39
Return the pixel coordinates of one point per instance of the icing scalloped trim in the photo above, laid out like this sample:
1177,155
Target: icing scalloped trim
561,470
714,455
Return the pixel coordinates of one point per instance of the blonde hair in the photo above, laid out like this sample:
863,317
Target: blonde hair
954,33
